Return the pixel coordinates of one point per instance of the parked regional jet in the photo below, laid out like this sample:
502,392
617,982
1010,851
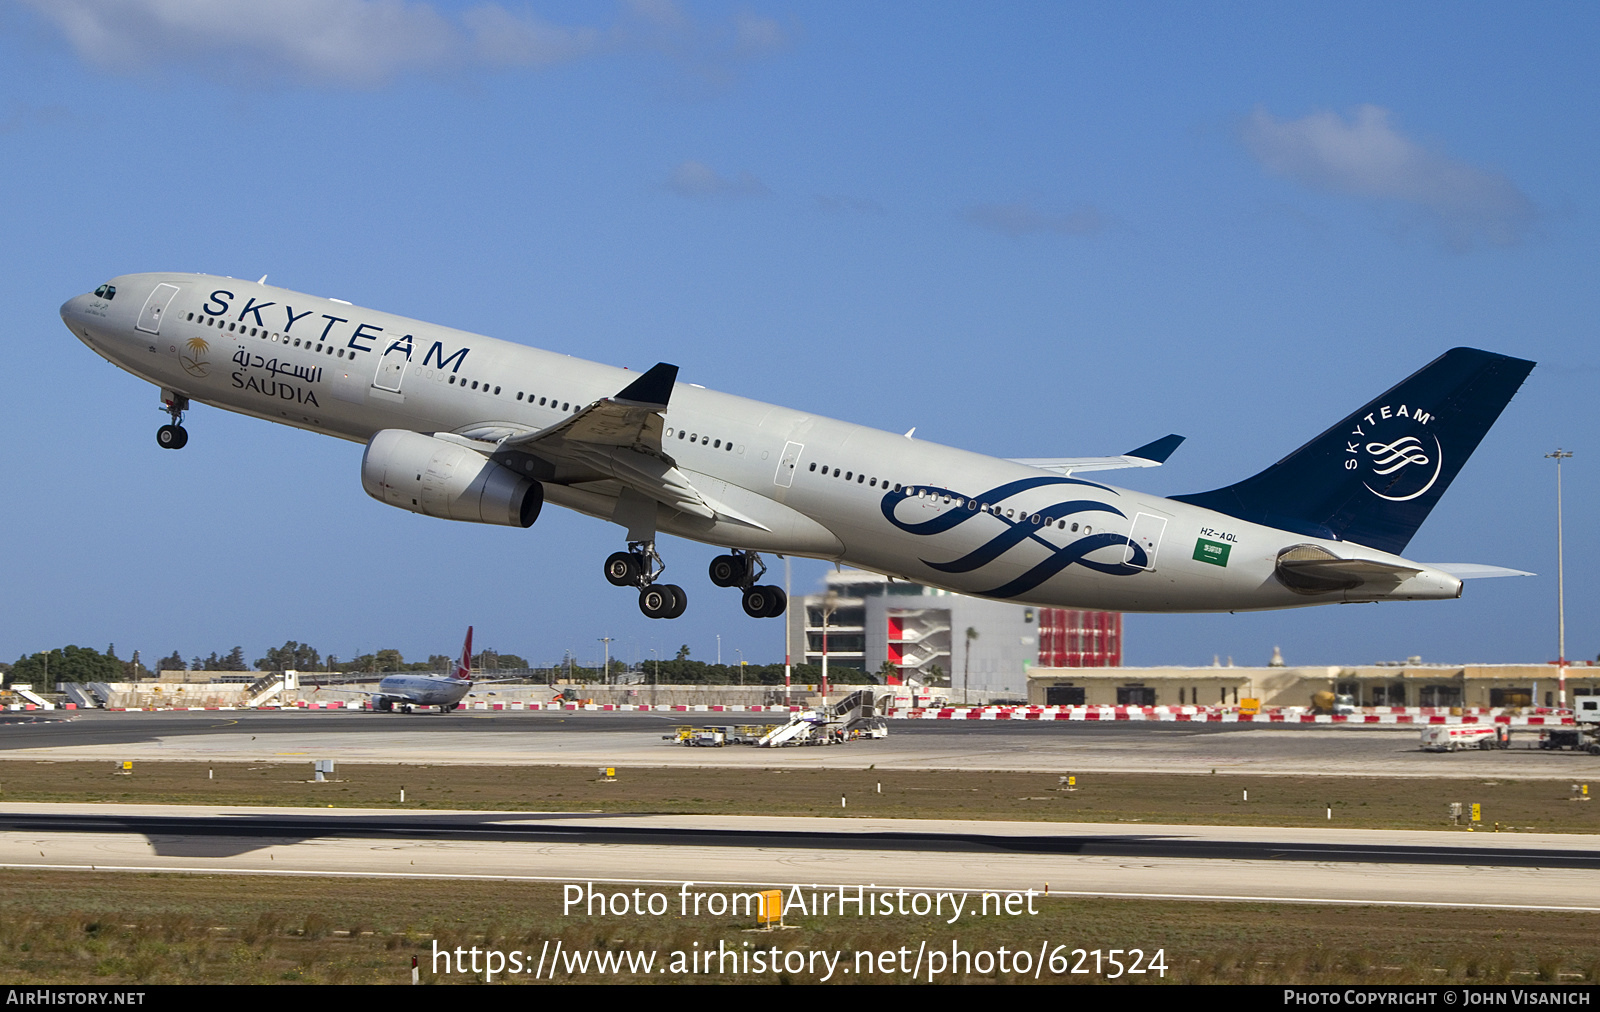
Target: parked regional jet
443,691
465,427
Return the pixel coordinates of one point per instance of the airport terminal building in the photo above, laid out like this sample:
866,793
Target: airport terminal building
1374,685
922,633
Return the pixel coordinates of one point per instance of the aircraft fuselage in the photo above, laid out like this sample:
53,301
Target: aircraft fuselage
791,482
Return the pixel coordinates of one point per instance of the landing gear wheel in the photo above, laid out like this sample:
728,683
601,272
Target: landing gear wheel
662,600
172,437
623,569
728,570
759,602
680,601
780,602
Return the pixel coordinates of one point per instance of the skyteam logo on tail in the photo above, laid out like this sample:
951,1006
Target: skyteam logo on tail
1036,527
1397,463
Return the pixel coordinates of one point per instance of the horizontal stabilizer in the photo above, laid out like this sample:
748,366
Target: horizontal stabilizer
1363,570
1149,455
1474,571
1312,569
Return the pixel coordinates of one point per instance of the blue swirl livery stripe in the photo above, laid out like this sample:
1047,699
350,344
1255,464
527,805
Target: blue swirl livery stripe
1075,552
944,522
1019,531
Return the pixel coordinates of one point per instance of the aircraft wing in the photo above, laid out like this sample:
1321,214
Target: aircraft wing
1149,455
632,420
620,437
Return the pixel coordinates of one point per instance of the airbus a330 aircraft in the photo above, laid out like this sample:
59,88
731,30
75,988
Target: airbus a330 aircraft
443,691
465,427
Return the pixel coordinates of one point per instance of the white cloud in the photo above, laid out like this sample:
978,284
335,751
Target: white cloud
1367,157
367,43
1022,218
697,179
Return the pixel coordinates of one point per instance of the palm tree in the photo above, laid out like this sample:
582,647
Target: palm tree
966,665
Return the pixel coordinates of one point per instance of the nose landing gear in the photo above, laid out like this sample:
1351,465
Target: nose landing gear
640,566
173,436
742,569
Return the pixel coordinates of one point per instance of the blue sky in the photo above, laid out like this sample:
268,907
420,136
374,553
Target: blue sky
1026,229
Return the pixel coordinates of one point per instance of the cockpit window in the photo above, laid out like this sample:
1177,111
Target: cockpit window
107,292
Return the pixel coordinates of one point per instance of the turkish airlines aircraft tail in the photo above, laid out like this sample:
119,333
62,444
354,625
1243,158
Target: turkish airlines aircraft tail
463,666
1374,477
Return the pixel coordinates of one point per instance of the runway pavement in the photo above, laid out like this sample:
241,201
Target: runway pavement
1525,871
635,739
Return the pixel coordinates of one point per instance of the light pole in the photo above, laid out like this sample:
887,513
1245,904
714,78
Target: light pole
606,670
830,604
1561,588
966,664
741,665
657,679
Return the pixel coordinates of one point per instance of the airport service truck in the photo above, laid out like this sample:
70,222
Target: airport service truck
1584,736
1455,737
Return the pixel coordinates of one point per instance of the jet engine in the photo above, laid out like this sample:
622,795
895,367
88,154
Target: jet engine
424,474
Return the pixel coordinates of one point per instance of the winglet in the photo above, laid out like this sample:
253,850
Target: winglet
463,668
654,387
1157,451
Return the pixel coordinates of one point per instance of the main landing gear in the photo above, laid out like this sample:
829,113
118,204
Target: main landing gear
640,567
742,570
174,436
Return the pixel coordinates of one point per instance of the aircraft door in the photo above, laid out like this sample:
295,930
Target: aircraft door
154,307
392,367
787,465
1146,534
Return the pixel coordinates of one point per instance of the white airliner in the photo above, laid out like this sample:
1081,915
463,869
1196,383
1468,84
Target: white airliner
465,427
443,691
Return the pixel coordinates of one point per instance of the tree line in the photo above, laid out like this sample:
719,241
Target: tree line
85,664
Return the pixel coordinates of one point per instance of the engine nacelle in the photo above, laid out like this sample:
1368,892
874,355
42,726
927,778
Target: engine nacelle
424,474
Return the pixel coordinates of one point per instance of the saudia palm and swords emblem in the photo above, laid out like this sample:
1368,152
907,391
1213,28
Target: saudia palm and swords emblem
1399,465
195,363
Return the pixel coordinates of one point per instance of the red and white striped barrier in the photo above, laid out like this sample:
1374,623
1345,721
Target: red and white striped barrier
1218,715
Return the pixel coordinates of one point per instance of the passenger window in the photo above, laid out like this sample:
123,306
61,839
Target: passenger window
860,478
836,472
1074,528
813,465
717,445
848,475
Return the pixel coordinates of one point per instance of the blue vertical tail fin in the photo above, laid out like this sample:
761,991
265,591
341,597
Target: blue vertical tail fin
1374,477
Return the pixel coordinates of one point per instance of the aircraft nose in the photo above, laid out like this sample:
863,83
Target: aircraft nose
72,309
